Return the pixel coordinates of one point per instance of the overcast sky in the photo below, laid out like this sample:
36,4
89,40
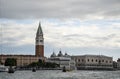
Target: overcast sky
76,26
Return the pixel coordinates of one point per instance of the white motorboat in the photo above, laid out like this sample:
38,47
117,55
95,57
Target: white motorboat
3,68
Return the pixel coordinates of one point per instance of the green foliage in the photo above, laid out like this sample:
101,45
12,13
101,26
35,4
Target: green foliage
40,61
43,64
0,61
10,62
34,64
51,65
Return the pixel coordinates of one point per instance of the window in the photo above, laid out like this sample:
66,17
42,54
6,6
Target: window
79,60
110,61
92,60
102,60
96,60
37,40
82,60
99,61
88,60
106,61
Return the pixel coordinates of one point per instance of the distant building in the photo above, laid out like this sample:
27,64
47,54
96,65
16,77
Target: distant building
23,60
62,60
93,62
118,63
115,64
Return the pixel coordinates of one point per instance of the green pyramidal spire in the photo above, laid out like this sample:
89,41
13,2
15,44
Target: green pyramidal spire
39,31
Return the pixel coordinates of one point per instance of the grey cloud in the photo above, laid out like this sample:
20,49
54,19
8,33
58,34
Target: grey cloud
17,9
103,38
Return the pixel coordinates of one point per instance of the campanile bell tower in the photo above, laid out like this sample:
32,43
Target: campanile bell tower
39,46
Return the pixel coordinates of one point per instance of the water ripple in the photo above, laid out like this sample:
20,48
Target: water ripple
57,74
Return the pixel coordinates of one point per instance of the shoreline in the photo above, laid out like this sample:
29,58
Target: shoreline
72,70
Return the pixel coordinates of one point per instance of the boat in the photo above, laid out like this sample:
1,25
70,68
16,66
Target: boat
33,70
64,69
11,70
3,68
68,69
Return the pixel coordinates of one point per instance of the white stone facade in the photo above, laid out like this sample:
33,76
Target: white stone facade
93,62
62,60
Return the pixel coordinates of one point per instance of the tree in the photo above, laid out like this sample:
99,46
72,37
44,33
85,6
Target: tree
10,62
40,61
43,64
1,62
34,64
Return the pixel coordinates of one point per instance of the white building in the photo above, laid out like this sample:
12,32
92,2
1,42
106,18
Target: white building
93,62
62,60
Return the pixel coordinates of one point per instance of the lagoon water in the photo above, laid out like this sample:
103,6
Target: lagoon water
58,74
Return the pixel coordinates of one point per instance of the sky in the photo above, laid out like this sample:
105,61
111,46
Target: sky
77,27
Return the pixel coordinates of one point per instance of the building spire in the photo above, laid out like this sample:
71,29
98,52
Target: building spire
39,31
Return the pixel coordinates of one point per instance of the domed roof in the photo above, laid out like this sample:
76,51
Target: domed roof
53,55
60,54
66,55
